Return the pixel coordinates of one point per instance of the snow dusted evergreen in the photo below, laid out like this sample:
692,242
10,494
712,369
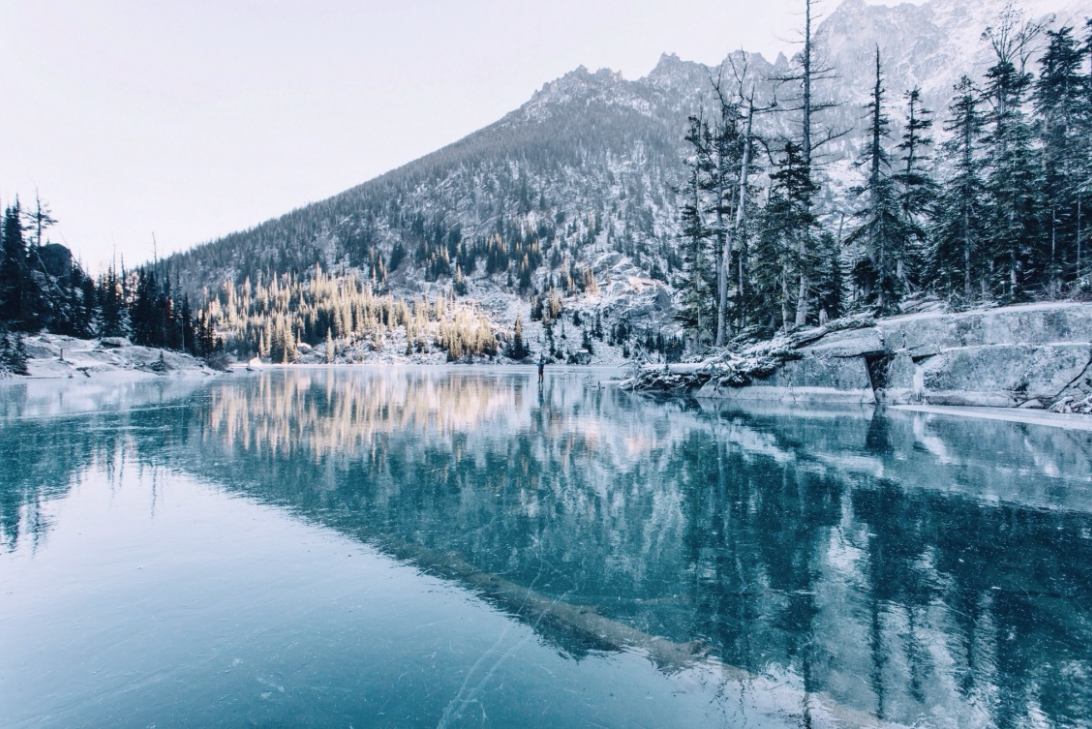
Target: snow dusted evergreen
43,289
1009,226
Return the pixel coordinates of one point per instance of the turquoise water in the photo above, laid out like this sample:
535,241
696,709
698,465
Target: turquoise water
460,547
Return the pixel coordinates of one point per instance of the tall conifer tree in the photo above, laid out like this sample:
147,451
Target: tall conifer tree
958,233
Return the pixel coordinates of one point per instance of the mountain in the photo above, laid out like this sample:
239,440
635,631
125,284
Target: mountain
930,45
580,182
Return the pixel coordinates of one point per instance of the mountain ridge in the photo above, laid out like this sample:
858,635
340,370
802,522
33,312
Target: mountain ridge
583,176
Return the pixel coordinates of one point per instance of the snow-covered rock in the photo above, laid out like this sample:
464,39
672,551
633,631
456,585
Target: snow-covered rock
1020,356
819,378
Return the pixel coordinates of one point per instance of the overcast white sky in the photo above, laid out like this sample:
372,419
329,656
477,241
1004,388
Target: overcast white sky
194,119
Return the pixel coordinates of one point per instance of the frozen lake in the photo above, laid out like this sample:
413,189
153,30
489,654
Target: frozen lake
462,547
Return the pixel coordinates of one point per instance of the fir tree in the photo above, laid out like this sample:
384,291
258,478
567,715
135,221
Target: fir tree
517,349
14,278
879,272
13,352
1016,254
917,190
586,340
957,237
1059,100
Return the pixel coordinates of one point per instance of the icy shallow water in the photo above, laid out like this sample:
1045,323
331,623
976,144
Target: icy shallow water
458,547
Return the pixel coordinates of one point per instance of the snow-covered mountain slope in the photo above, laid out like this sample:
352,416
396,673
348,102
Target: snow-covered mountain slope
929,44
579,181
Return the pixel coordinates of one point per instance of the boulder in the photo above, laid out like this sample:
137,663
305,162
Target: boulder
55,259
850,343
924,335
1005,357
811,379
901,381
1002,375
582,357
115,342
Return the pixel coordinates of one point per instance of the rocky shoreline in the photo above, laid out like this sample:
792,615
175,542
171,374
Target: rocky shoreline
1031,357
1036,356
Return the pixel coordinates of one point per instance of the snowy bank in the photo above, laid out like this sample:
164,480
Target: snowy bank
68,375
57,357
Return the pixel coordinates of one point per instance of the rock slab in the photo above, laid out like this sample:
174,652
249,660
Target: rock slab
1020,356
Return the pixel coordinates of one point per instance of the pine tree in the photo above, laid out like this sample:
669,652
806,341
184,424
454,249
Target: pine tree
727,145
90,320
144,311
811,71
112,305
917,190
14,278
1059,98
830,291
696,283
189,334
879,272
785,251
957,237
1017,255
329,356
39,219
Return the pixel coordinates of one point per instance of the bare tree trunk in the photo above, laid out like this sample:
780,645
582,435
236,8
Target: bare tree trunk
785,299
1053,249
802,302
1079,238
807,86
741,216
802,299
725,254
966,257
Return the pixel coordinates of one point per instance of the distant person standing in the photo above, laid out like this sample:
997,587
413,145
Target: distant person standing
541,367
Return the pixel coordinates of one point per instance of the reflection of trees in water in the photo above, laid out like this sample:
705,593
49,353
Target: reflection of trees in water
39,462
42,459
1017,584
317,413
845,551
745,531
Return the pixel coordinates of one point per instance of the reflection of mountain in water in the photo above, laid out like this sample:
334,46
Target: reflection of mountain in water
907,565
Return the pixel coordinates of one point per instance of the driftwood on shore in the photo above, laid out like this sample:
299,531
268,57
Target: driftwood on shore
729,370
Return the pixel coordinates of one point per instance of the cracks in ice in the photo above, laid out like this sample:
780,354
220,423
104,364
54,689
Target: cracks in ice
463,698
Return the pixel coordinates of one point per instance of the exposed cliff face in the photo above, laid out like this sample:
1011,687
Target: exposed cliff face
1020,356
